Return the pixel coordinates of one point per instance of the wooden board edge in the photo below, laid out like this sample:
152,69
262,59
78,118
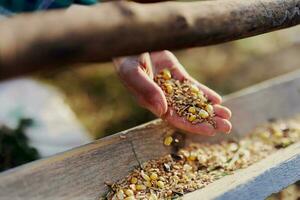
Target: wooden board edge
258,181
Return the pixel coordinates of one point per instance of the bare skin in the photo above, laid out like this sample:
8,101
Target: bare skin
137,74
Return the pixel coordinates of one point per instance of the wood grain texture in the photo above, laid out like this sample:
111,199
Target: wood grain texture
80,173
96,34
257,181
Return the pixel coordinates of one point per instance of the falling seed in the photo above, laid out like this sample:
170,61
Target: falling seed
168,140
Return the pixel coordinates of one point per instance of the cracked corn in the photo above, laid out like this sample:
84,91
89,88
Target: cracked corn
197,165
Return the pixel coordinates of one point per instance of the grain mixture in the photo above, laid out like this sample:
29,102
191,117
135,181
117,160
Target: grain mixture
197,165
186,98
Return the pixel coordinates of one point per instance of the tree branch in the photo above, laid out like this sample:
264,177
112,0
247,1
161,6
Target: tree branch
31,42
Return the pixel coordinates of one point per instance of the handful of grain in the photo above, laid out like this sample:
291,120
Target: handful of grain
186,98
199,164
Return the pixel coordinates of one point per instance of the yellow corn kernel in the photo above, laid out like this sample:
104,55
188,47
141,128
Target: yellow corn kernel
145,176
133,180
191,117
194,89
203,114
168,140
209,108
130,198
169,88
147,184
140,187
278,133
152,197
153,176
166,74
129,192
160,184
193,156
192,110
265,135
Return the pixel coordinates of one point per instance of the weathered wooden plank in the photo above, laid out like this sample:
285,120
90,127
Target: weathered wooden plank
81,172
257,181
113,29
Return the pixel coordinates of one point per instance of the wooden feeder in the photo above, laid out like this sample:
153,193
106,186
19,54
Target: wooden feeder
80,173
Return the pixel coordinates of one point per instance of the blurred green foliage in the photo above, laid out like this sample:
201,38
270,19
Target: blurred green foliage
14,147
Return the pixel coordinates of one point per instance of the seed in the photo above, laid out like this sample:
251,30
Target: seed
166,74
160,184
191,117
140,187
133,180
209,108
120,194
192,110
129,192
278,133
169,88
130,198
233,147
194,89
193,156
187,167
148,184
153,176
169,192
152,197
145,176
168,140
265,135
203,114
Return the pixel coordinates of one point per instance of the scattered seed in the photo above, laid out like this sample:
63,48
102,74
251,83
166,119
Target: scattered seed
140,187
134,180
199,164
153,176
160,184
129,192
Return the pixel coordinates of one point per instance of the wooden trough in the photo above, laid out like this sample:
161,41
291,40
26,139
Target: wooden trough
26,46
80,173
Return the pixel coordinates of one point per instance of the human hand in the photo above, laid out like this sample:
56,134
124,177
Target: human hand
137,74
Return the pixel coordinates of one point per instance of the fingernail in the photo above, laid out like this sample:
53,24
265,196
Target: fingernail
159,111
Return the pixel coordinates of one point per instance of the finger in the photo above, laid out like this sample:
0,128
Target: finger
148,93
180,122
166,59
222,125
222,111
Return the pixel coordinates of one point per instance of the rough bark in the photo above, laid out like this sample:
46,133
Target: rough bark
50,40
